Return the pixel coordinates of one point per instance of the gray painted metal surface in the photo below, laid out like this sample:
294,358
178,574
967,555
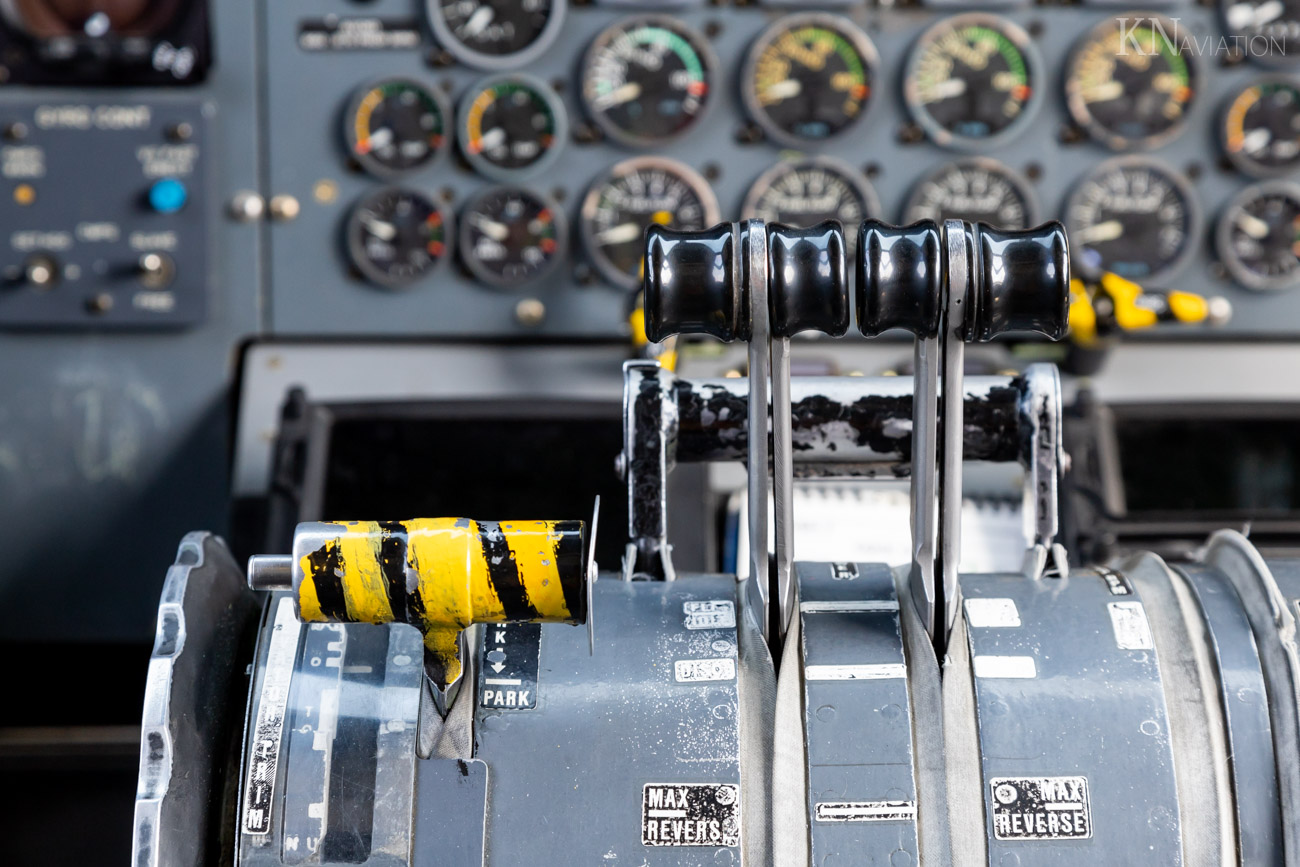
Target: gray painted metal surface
858,721
1067,689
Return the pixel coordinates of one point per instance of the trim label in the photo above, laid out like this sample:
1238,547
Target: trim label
865,811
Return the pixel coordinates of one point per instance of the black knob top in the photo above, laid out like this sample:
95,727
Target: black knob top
808,283
1022,282
900,278
691,285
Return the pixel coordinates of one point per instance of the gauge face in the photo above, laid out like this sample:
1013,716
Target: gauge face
511,126
648,79
803,193
977,190
511,236
48,19
1261,128
1268,28
397,236
1259,236
396,126
634,195
1138,218
973,79
1129,84
809,77
496,34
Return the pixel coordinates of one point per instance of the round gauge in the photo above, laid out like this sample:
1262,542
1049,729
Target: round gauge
51,19
648,79
512,126
1129,85
1259,236
396,236
631,197
511,236
496,34
1261,128
1267,28
973,80
809,77
395,126
1138,218
805,192
978,190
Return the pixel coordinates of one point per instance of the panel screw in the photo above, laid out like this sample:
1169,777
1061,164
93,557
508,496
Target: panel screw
247,206
284,207
530,312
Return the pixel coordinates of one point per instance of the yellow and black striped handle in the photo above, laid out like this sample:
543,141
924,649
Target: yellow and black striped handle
441,575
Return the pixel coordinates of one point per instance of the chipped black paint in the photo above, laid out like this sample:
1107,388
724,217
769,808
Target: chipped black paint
392,562
569,550
326,567
504,573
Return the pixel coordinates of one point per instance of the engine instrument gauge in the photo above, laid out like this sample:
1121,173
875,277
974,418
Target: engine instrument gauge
809,77
1139,218
1258,236
395,126
803,193
979,190
511,236
973,80
1129,84
496,34
631,197
648,79
1261,127
512,126
1268,28
396,236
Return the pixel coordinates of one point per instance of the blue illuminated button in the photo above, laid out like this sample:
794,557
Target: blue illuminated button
168,196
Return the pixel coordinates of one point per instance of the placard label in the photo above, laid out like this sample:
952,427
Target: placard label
1041,808
690,814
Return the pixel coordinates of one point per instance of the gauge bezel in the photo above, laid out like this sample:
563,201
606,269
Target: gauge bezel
1267,61
1240,161
356,254
554,104
1082,115
855,179
603,265
480,271
1021,184
708,57
1244,276
856,36
1195,230
1018,36
372,166
495,62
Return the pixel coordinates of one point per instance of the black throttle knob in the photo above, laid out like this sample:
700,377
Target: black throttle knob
1022,282
808,284
900,278
691,284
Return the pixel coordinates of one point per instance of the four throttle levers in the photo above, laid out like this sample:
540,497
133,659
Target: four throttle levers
947,284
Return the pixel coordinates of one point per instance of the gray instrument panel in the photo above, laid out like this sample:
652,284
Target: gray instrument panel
308,92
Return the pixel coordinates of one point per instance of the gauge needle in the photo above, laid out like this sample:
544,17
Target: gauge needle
1099,232
946,89
1251,225
620,234
618,96
1103,91
1256,140
478,22
787,89
496,231
381,229
493,138
380,138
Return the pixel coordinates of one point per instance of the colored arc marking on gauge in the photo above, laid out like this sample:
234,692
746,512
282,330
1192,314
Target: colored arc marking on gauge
1236,120
365,110
437,246
484,101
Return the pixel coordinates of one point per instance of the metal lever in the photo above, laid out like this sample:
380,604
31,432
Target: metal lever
948,286
763,284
